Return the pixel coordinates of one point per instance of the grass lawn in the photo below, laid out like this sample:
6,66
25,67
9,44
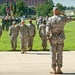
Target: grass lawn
69,41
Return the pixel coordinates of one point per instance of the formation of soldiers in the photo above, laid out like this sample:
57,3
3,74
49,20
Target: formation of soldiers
27,34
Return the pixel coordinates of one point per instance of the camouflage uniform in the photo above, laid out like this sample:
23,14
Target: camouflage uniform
55,28
24,34
0,31
32,32
13,32
42,34
38,22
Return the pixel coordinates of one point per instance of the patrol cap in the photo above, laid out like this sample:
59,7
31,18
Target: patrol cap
22,20
30,20
55,8
14,22
44,20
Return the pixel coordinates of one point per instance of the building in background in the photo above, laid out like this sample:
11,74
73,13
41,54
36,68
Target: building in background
31,3
34,2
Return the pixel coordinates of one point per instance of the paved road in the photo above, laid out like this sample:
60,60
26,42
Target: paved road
34,63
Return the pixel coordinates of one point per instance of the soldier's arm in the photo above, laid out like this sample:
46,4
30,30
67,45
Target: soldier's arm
48,30
28,31
10,31
40,30
18,26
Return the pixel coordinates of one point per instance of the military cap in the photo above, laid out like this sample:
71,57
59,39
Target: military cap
22,20
44,20
30,20
14,22
55,8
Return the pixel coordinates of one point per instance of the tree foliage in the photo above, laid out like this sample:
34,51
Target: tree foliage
61,7
3,9
22,8
45,9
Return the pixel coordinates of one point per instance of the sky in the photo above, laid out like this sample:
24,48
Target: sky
65,2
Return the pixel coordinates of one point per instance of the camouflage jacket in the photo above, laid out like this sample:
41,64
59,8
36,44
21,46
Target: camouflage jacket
42,30
13,32
32,30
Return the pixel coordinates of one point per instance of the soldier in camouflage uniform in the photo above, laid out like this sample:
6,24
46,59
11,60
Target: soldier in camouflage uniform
55,28
13,32
0,31
32,32
42,34
39,22
24,34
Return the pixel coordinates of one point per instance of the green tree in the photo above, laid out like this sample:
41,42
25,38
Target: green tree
61,7
22,8
3,9
45,9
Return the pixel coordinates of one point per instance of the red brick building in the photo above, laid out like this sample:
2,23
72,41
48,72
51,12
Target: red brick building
34,2
28,2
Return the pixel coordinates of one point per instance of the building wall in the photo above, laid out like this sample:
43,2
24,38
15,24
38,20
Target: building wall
34,2
28,2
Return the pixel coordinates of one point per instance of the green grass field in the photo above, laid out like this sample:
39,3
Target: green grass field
69,41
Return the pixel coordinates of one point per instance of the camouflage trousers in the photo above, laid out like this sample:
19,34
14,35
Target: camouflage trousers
56,50
44,41
30,42
23,44
13,42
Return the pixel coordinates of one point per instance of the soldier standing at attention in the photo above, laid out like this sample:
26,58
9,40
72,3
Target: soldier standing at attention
42,34
32,32
55,28
24,34
13,32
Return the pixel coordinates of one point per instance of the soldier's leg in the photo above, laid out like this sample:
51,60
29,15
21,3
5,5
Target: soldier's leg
25,45
29,42
22,45
59,57
15,43
42,38
54,60
45,42
12,43
32,42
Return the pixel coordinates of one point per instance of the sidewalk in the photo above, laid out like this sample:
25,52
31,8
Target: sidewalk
34,63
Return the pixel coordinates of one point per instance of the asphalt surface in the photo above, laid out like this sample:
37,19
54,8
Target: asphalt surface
34,63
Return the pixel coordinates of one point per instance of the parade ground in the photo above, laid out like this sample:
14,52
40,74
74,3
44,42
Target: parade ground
34,63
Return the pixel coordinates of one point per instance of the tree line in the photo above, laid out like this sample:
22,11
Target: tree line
40,10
